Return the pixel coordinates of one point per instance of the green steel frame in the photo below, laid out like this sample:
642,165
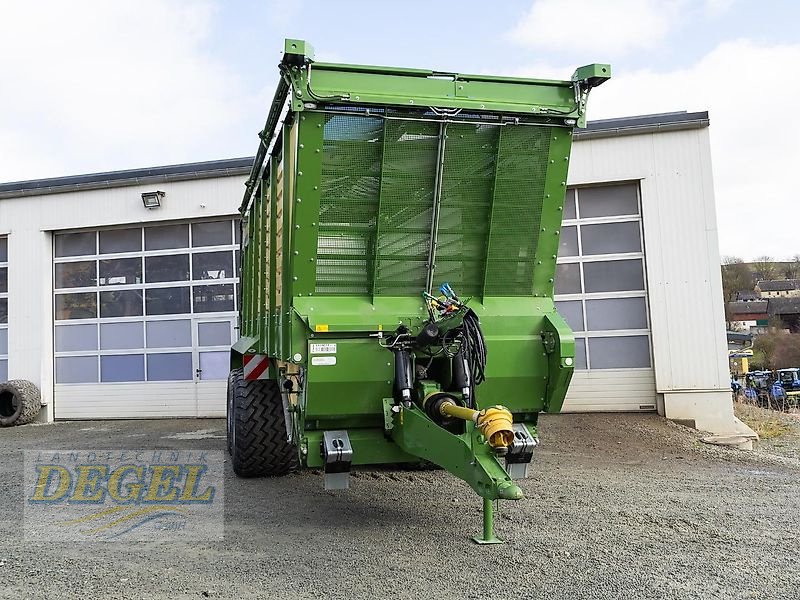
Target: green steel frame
372,184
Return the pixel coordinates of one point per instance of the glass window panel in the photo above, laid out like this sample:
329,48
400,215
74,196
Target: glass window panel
75,244
620,352
74,338
124,367
121,303
569,241
76,369
212,265
237,232
608,200
3,249
213,298
174,267
214,334
3,279
3,341
215,365
568,278
76,274
3,310
610,238
75,306
121,271
166,236
580,354
121,336
616,313
168,301
172,366
211,233
3,370
572,311
613,276
120,240
569,205
169,334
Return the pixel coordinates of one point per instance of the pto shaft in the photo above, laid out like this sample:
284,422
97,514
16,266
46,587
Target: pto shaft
495,423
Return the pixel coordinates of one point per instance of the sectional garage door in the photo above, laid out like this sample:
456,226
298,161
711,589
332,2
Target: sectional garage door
601,290
143,320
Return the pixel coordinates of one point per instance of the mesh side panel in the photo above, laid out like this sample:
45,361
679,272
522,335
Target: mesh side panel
350,186
466,201
522,160
406,207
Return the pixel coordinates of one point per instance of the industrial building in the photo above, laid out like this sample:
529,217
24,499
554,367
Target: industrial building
118,290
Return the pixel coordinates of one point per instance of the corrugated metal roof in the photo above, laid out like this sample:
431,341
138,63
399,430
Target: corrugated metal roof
743,295
672,121
738,336
241,166
778,285
196,170
752,307
784,306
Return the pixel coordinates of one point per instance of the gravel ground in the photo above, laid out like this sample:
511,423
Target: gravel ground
619,506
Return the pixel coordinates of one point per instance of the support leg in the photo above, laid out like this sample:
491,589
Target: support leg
488,526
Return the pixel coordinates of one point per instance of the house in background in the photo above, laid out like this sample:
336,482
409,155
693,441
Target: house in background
778,288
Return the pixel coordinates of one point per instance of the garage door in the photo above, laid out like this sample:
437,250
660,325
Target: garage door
143,320
601,291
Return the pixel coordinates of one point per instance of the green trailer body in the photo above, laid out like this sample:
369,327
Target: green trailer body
372,188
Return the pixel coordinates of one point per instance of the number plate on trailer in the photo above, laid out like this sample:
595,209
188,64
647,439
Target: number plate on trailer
323,348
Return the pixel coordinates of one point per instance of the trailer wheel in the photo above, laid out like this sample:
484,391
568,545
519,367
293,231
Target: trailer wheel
20,402
257,429
229,407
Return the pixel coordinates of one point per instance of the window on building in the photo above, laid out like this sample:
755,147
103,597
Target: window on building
600,282
143,304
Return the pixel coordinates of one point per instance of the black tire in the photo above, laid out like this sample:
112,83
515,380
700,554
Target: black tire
229,407
20,402
259,444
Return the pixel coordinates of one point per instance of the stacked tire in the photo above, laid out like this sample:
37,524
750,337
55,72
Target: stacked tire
258,439
20,402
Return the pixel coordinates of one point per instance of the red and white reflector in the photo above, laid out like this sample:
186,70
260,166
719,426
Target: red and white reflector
256,366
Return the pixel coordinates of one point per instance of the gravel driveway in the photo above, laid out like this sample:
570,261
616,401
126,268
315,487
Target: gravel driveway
620,506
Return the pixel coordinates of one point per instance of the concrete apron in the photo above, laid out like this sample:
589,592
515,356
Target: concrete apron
709,411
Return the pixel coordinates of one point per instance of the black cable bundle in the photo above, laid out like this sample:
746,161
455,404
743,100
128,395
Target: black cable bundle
473,346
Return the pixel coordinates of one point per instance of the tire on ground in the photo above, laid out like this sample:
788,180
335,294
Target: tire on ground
229,406
259,444
20,402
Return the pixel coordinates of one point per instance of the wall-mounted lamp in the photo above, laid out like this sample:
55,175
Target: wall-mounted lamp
152,199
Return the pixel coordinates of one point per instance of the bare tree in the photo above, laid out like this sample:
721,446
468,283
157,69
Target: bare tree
786,352
735,276
765,267
792,268
764,348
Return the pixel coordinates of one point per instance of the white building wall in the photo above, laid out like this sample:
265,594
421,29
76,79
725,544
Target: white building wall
29,221
682,263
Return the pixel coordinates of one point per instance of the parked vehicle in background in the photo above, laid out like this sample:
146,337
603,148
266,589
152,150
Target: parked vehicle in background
789,379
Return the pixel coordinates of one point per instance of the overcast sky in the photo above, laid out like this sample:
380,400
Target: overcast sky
101,85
